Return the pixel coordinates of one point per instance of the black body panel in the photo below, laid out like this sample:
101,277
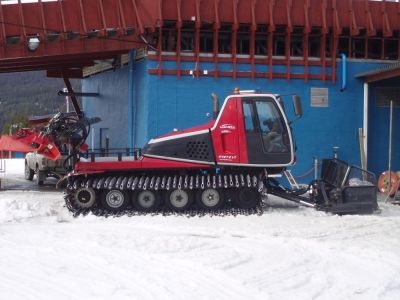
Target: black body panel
196,148
257,155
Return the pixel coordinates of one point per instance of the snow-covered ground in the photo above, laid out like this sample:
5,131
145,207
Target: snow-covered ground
287,253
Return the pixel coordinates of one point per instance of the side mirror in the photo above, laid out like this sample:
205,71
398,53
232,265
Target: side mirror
298,110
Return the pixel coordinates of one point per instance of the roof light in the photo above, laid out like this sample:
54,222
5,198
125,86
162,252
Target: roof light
33,43
248,92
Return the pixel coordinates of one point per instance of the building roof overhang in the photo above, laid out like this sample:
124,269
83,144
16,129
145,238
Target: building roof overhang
70,34
387,72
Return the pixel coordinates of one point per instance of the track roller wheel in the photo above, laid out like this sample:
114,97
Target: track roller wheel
146,200
210,199
114,200
179,200
247,198
85,197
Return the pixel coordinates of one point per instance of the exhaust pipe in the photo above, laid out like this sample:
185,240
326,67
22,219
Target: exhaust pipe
215,105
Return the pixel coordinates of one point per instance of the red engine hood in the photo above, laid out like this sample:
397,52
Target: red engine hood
189,130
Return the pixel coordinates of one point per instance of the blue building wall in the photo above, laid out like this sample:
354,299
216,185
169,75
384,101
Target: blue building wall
165,103
112,106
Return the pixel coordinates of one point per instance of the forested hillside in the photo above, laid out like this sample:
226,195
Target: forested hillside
29,94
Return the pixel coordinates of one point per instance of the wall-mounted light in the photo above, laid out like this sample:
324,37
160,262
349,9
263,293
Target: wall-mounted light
33,43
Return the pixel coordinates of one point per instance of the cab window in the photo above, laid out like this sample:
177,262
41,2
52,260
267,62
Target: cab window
271,127
248,117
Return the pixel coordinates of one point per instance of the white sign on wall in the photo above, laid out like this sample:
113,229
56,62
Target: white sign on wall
319,97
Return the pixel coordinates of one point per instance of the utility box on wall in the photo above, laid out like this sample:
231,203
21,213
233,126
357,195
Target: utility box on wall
319,97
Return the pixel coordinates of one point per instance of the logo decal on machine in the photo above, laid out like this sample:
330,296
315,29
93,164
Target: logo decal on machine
227,126
227,157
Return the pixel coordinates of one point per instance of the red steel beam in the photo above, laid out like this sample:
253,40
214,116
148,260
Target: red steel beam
139,21
306,32
387,30
82,15
370,24
197,38
2,33
43,21
289,30
70,73
354,30
335,16
271,30
235,27
22,27
335,42
159,45
324,24
216,28
241,74
179,38
323,55
253,29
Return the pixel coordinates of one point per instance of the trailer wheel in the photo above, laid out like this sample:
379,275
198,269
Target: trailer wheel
29,173
146,200
210,199
40,176
85,197
248,198
179,200
114,200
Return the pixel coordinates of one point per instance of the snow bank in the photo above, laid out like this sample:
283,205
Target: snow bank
13,167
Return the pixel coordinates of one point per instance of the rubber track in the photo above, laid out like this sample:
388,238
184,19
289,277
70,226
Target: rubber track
137,183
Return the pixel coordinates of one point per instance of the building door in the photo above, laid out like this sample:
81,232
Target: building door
378,128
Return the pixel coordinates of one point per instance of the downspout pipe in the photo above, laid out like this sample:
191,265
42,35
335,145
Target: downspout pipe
131,97
344,72
215,105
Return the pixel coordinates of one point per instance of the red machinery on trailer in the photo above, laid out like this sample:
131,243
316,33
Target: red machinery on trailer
229,162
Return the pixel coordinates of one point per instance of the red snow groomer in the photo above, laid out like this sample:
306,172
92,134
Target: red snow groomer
228,163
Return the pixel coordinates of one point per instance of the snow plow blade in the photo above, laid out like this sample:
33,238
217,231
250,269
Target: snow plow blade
348,189
342,189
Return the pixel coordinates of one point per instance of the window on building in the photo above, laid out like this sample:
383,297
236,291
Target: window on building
169,34
243,40
279,44
207,38
296,42
261,40
358,47
391,47
344,42
314,42
374,48
187,36
225,38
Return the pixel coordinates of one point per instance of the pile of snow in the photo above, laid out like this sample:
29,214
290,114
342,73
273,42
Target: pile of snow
287,253
12,167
